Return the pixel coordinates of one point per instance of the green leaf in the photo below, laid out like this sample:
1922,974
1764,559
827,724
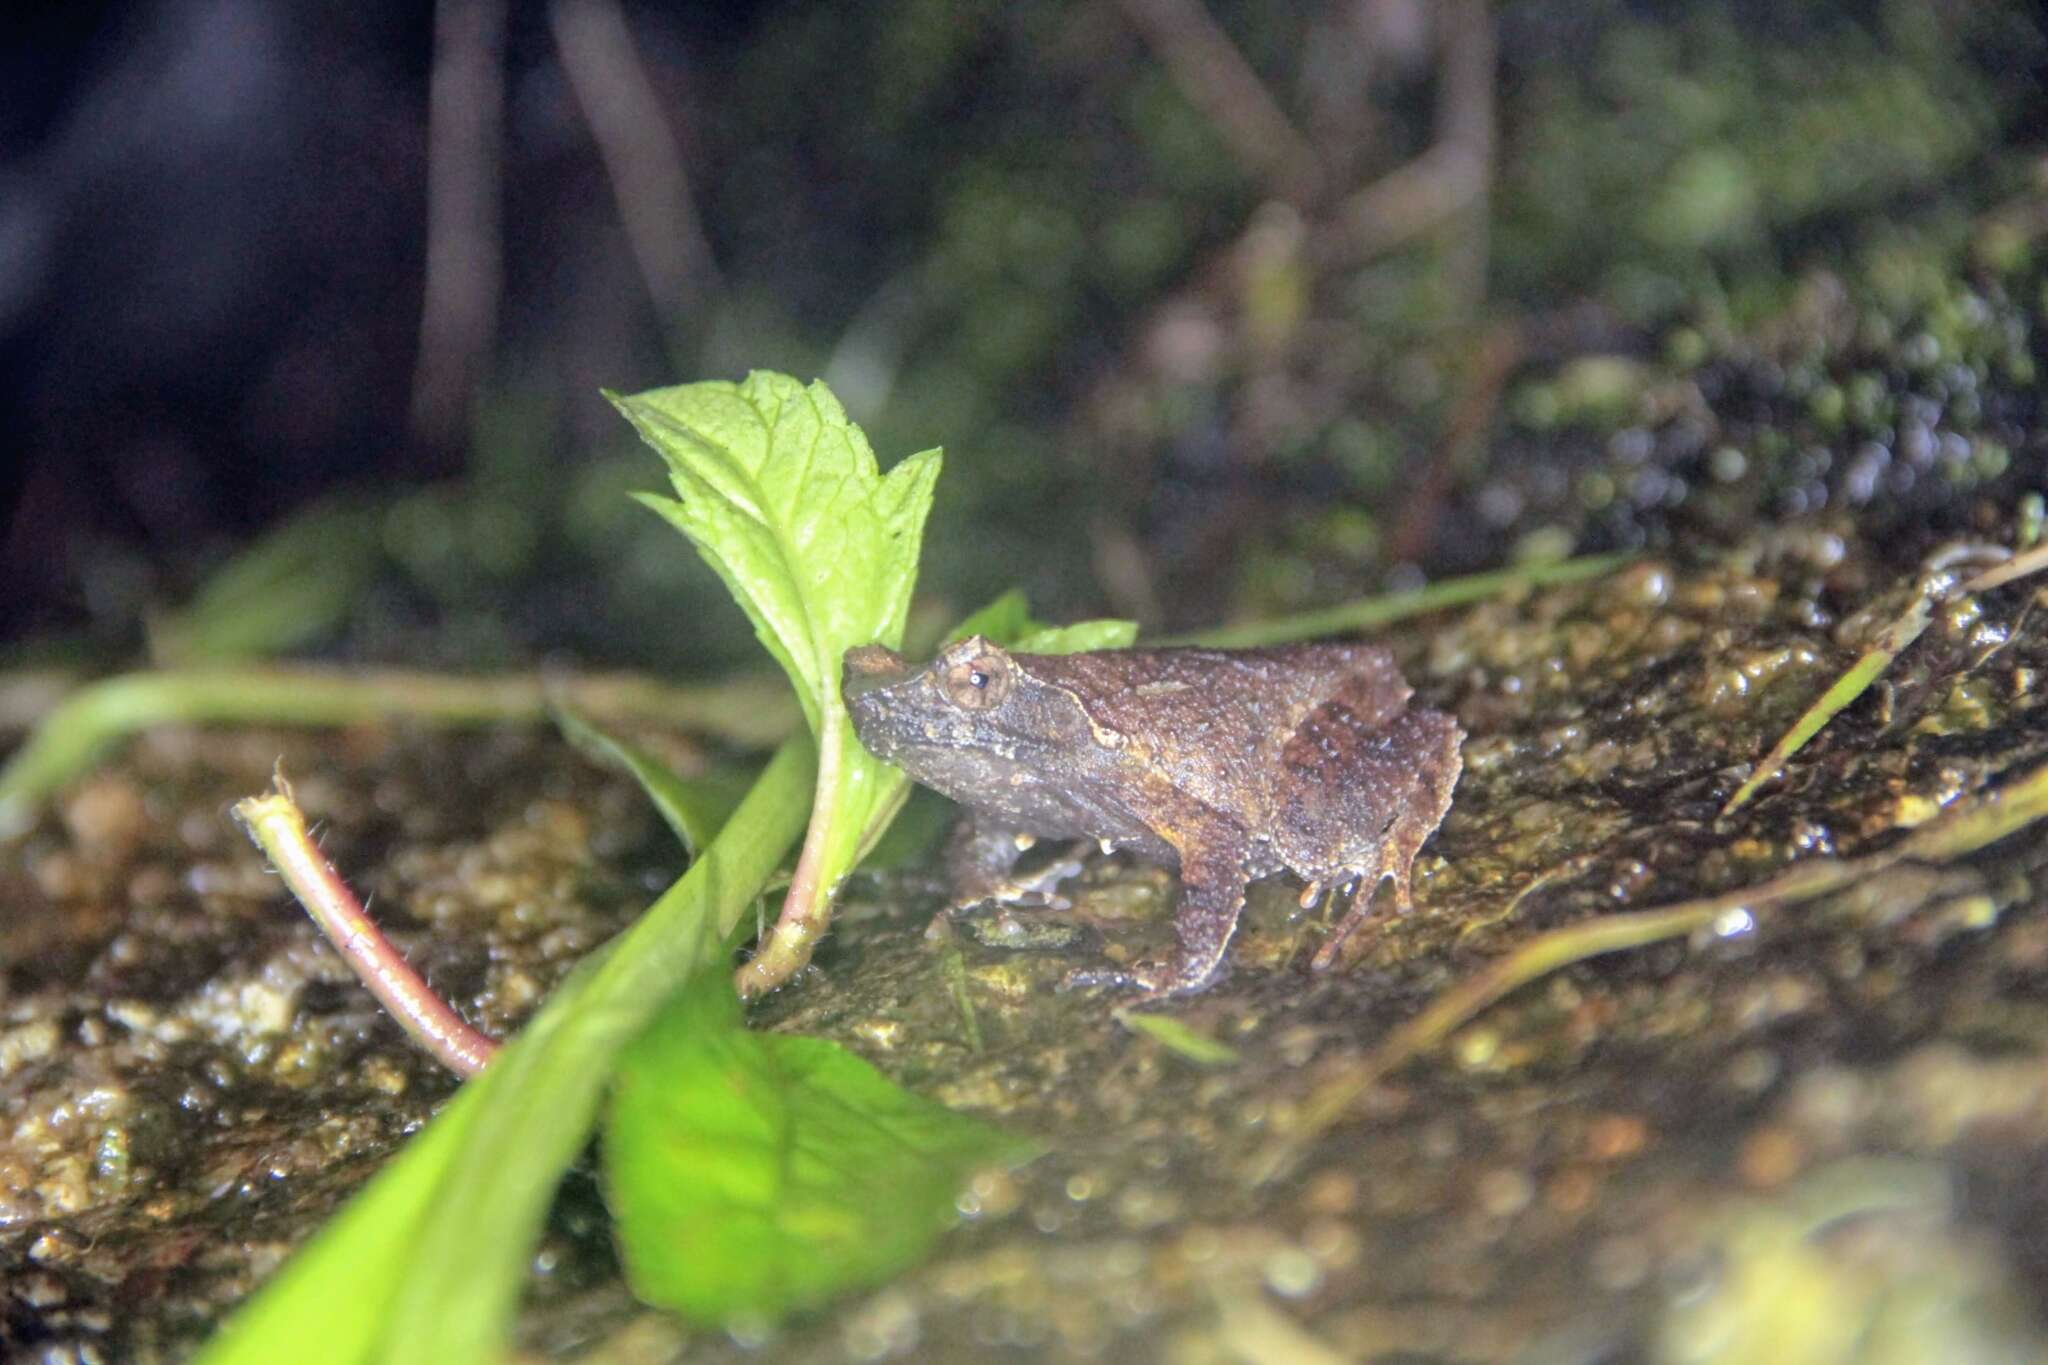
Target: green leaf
1008,621
694,807
1005,620
427,1263
1077,637
292,585
781,495
755,1174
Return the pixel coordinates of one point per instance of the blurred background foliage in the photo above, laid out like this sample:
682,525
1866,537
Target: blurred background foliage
1219,308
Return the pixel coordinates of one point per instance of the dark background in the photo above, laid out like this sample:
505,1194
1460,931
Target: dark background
1177,377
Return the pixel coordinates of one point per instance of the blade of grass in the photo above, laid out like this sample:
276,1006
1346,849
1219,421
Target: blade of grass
1983,821
1963,830
1369,613
1175,1036
1876,661
1853,683
953,971
75,735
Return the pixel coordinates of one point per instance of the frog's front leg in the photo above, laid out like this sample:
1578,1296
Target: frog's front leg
981,860
1213,873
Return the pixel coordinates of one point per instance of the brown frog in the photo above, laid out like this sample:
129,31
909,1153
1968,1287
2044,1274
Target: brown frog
1232,764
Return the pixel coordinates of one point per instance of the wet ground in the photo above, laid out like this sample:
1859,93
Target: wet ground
1824,1129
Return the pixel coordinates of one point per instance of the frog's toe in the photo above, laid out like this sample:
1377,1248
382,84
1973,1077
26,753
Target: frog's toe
1154,981
1332,949
1117,978
1038,890
968,907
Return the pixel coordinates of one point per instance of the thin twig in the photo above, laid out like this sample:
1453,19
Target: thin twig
1448,185
459,305
1404,203
1500,350
642,156
1214,76
2019,566
277,826
1444,185
1464,118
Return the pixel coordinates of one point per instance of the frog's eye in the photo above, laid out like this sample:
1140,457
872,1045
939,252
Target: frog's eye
978,683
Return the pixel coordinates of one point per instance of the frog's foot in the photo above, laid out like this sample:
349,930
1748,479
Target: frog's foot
1116,978
1154,980
981,863
1035,890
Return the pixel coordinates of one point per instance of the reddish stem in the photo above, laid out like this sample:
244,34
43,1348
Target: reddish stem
278,827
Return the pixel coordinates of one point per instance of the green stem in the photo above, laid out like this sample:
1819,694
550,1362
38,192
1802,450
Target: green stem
75,735
1370,612
807,907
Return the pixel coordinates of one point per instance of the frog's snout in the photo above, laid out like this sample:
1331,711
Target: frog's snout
868,668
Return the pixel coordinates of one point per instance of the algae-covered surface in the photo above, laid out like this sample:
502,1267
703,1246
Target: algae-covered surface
1817,1123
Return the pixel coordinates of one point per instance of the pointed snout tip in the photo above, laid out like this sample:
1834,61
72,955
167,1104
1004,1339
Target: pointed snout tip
867,667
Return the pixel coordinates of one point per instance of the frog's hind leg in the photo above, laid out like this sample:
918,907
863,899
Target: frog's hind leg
1429,740
1436,738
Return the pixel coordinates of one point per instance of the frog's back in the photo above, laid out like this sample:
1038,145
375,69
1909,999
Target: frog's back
1214,723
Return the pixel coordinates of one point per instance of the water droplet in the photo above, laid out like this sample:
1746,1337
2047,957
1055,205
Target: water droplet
1734,923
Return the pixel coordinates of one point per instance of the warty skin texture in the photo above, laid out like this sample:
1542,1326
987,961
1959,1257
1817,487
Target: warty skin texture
1229,764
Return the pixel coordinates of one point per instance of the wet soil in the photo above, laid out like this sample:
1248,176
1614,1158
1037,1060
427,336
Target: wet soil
1802,1130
